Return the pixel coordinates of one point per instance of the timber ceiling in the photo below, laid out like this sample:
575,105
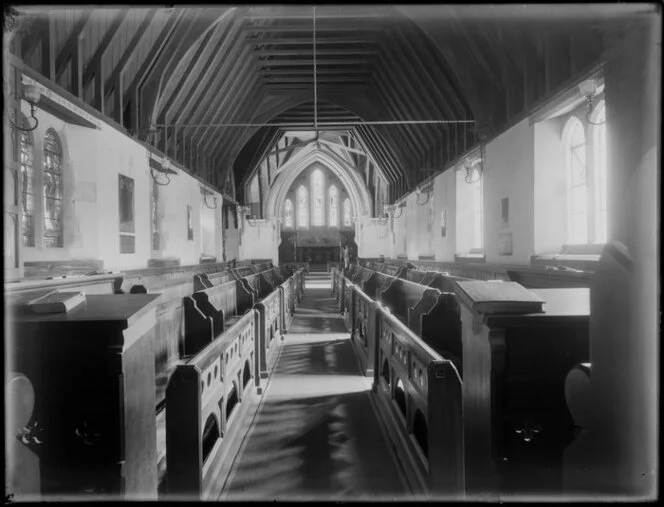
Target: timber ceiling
193,68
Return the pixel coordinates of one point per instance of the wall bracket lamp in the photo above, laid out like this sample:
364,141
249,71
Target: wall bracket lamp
31,94
206,193
426,188
589,89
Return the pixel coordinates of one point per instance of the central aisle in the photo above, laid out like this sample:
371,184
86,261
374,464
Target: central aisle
316,435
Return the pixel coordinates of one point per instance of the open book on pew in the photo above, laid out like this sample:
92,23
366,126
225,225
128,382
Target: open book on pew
497,296
57,302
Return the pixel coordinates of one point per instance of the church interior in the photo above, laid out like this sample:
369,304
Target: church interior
332,252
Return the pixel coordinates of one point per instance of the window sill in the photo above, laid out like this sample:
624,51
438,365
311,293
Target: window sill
566,262
470,257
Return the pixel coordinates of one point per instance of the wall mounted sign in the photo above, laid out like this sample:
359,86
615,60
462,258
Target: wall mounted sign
126,214
505,212
505,243
443,223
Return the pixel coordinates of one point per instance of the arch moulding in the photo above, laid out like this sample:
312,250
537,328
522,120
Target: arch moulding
360,199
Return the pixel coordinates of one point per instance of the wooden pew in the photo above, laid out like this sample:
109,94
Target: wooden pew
92,371
419,396
210,401
530,276
516,420
270,330
208,312
431,314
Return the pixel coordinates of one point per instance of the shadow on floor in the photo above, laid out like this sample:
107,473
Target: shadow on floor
334,357
328,447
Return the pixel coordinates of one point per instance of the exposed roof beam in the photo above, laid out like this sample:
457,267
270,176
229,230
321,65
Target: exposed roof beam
309,51
297,41
212,75
307,62
307,28
70,47
308,72
319,15
130,50
174,19
306,79
95,61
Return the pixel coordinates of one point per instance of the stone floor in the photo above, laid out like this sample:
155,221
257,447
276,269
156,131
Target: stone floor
316,435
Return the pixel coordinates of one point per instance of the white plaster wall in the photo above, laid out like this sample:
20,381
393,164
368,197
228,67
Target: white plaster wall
412,231
259,241
508,173
92,161
375,238
549,188
119,155
399,238
445,199
463,213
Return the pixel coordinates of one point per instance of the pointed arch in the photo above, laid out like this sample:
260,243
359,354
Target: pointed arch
360,198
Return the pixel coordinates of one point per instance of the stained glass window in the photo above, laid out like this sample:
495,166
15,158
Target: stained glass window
288,213
600,174
27,191
347,220
577,196
53,236
302,208
333,219
317,196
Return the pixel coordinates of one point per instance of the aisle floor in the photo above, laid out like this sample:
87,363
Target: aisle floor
316,435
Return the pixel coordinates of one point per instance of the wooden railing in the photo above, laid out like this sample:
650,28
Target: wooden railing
418,391
533,276
206,398
510,359
210,397
269,330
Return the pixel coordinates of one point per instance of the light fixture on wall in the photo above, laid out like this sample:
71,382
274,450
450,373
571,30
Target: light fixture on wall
164,169
207,193
31,94
382,219
245,212
588,89
474,168
426,187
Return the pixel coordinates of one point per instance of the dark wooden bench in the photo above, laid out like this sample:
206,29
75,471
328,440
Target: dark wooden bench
516,421
210,400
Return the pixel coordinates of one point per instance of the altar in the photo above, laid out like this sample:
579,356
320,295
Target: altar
318,254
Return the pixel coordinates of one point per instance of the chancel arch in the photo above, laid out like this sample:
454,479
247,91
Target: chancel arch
349,179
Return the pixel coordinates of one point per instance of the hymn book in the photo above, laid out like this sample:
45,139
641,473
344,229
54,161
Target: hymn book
496,296
57,302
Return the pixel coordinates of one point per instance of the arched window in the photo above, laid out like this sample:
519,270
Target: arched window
302,208
317,198
601,219
53,236
27,190
477,214
333,219
577,194
288,213
347,220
